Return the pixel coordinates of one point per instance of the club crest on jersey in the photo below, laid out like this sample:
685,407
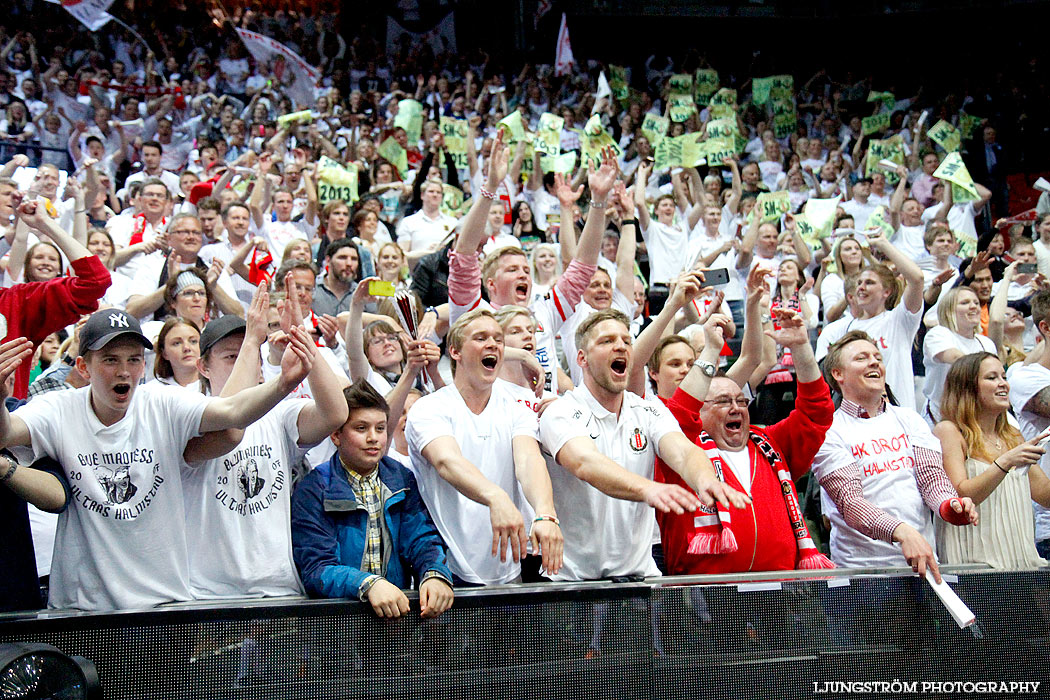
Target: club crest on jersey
638,441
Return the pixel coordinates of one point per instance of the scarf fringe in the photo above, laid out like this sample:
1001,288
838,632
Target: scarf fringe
815,561
710,543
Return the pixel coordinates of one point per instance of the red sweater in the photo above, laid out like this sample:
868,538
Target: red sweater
38,309
762,529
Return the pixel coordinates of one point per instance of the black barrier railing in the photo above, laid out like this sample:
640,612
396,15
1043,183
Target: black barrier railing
751,636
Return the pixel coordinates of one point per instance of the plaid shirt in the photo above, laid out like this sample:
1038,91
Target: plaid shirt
368,493
50,380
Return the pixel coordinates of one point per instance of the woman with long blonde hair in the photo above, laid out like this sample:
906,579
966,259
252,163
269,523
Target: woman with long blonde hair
986,460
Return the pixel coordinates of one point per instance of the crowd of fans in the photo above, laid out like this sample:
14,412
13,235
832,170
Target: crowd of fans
447,326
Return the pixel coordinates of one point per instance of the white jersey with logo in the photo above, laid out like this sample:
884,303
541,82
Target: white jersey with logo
486,442
604,536
238,512
121,542
883,449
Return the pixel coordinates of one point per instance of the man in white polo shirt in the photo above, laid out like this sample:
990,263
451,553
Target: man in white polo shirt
601,443
471,445
880,469
422,232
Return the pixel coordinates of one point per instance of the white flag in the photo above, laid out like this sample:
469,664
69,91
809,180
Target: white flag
296,77
91,13
603,91
563,61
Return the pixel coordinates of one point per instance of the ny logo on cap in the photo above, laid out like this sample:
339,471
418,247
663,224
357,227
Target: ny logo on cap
118,320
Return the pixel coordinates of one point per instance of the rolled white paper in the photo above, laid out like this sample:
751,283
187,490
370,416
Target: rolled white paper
962,615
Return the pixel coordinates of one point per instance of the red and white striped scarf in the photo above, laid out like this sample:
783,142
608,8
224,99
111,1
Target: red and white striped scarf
713,533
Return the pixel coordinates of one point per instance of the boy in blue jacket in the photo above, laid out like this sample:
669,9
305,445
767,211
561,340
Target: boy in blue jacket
359,526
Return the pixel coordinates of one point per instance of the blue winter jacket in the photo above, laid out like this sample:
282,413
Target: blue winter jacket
328,531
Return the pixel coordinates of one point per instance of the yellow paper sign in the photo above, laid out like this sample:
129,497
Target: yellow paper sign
945,135
954,170
456,132
564,164
680,107
452,201
875,123
548,138
878,219
773,205
410,118
681,83
392,151
705,82
820,214
655,128
514,127
336,181
717,150
302,117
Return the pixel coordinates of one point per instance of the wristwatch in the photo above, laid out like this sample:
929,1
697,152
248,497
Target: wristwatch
708,368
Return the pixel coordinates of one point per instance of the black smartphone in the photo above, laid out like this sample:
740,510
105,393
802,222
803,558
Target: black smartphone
1027,268
717,277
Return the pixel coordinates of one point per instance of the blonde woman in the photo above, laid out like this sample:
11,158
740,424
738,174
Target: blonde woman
986,460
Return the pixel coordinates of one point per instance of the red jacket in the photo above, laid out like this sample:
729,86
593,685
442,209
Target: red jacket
38,309
762,530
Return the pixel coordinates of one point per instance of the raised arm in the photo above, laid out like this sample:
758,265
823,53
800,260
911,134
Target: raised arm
997,309
248,406
640,181
260,197
13,430
355,351
912,297
686,288
567,198
747,244
472,229
625,251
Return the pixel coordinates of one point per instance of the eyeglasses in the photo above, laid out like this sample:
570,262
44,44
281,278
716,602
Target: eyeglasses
188,232
188,293
154,195
377,340
726,401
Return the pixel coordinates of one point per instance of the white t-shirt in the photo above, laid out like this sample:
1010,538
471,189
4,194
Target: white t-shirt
546,209
859,211
832,291
166,176
278,234
960,218
1025,383
243,291
882,447
668,247
582,313
486,442
418,232
238,512
908,239
604,536
122,229
936,341
894,332
121,542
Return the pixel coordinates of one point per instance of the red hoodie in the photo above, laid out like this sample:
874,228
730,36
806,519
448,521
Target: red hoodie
763,531
38,309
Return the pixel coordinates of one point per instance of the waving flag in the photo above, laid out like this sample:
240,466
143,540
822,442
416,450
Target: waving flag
563,60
